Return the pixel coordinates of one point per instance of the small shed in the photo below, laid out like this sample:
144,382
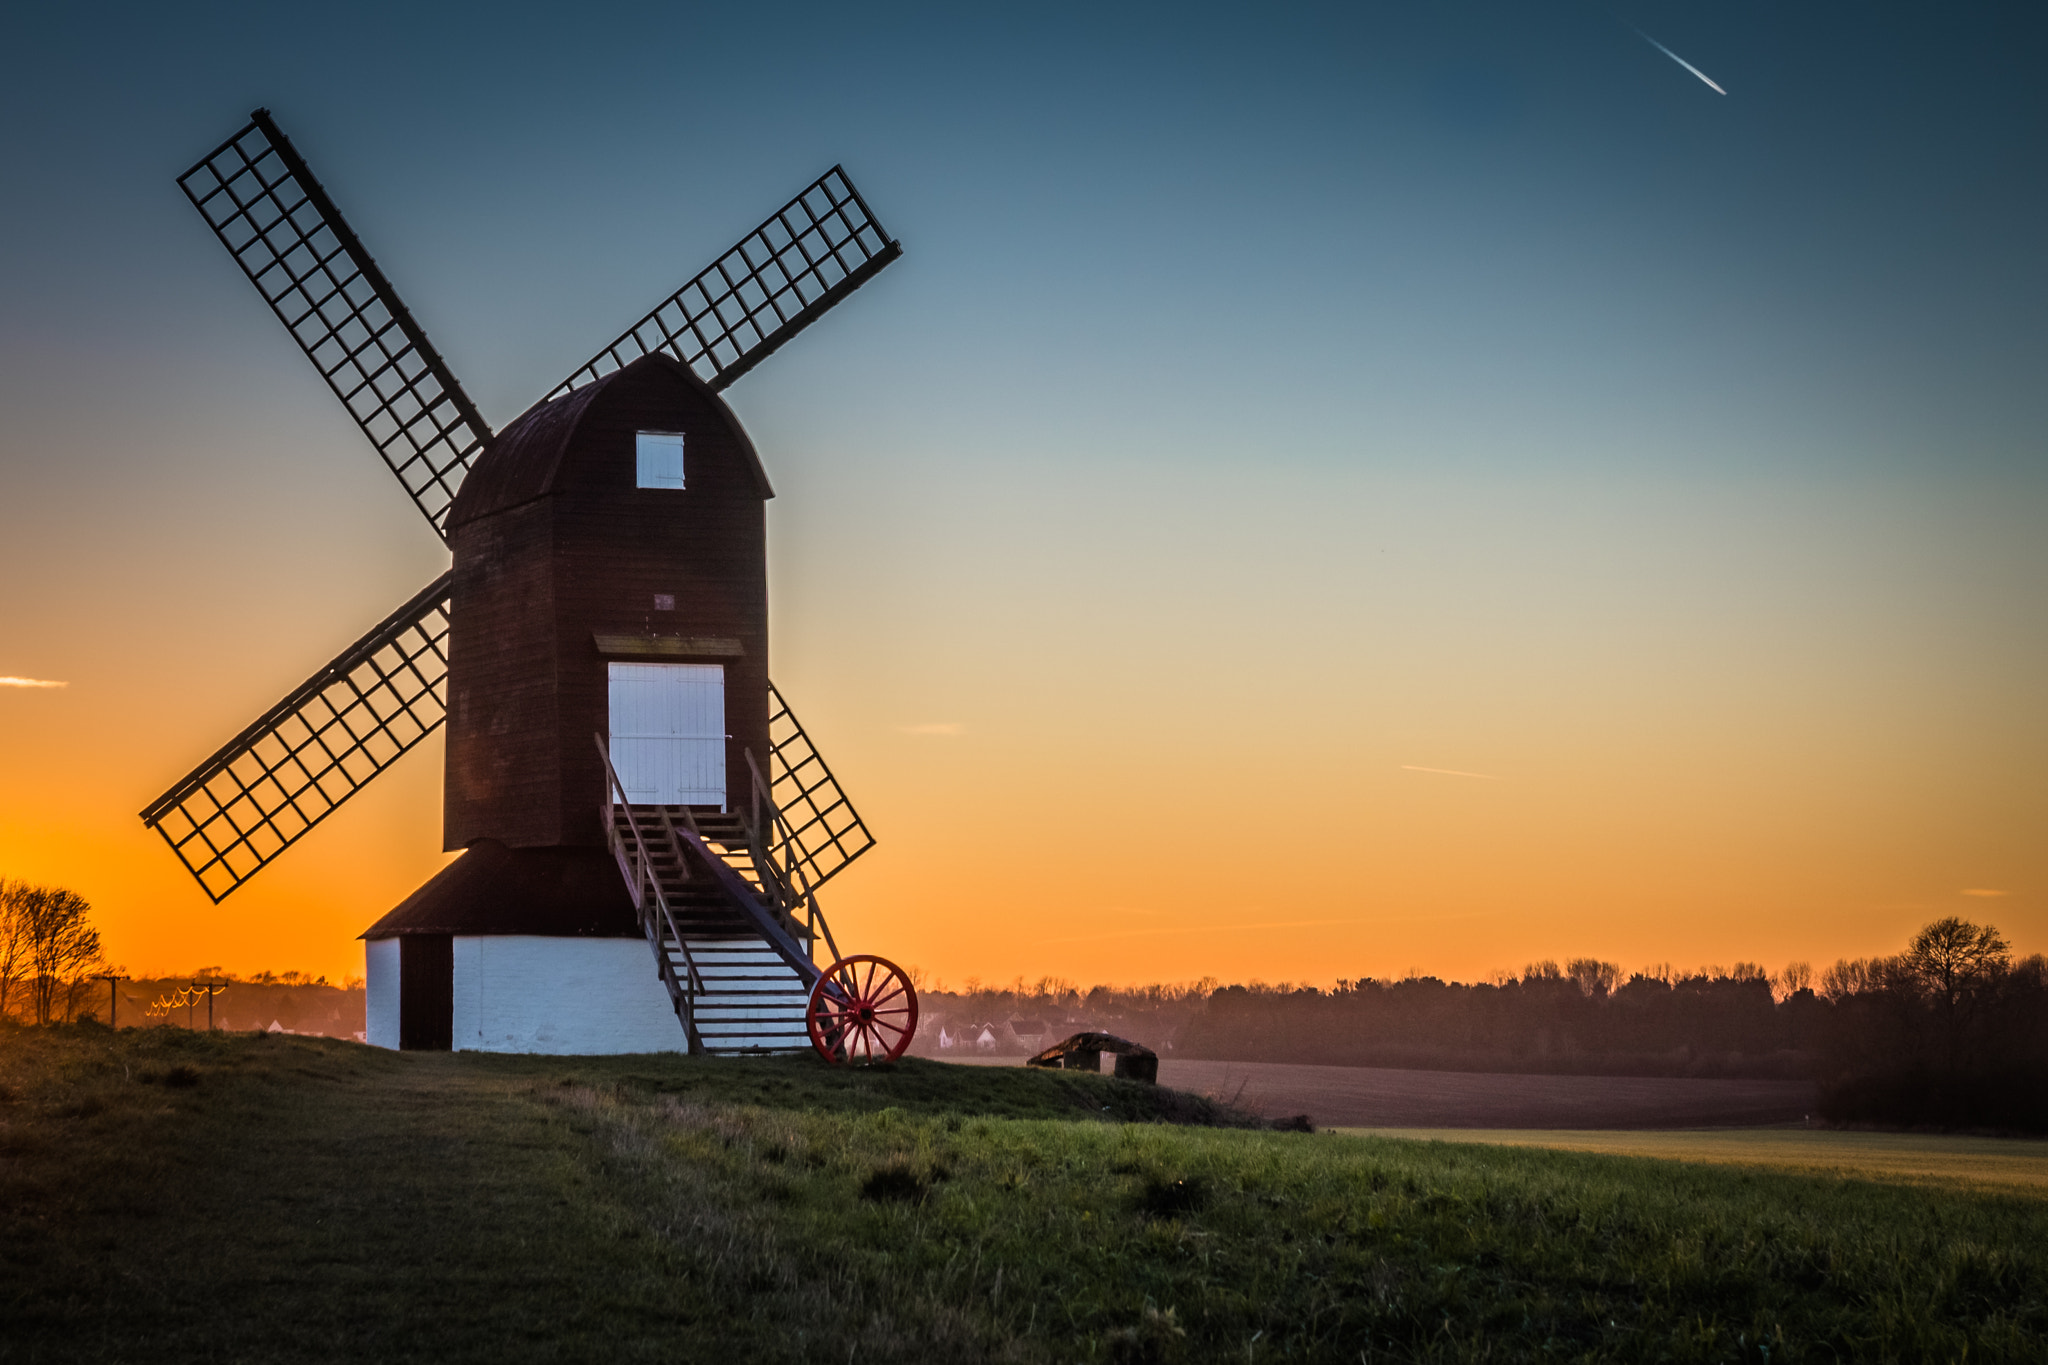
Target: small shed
1083,1052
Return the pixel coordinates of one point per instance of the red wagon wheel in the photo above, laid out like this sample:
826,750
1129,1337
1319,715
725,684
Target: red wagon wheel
862,1010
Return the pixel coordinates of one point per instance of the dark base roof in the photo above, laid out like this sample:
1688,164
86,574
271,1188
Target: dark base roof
492,889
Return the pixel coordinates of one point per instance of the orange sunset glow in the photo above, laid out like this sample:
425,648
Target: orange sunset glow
1497,772
1418,521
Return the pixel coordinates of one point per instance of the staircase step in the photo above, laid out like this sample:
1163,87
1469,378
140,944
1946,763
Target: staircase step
785,980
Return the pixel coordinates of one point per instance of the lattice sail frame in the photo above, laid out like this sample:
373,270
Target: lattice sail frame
291,769
779,279
824,831
274,217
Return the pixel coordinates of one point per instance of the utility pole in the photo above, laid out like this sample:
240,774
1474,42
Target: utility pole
212,989
113,998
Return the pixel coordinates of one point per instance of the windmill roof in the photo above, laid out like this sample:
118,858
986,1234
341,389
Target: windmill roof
492,889
524,461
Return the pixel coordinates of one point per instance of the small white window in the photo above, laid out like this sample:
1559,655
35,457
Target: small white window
658,459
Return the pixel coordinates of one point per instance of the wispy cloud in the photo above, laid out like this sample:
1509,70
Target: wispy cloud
947,728
31,682
1450,772
1983,891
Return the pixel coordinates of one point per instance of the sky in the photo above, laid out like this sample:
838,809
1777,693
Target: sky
1327,491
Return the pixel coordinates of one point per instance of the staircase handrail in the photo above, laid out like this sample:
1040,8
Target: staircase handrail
642,879
802,891
761,852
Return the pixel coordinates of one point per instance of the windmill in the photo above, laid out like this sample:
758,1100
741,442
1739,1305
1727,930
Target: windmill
621,770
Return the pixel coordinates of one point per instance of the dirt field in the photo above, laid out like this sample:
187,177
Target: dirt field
1359,1097
2010,1164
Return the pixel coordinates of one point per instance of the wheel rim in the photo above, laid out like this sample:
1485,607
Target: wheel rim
862,1010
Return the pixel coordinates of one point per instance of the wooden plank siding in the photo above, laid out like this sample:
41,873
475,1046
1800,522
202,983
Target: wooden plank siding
554,547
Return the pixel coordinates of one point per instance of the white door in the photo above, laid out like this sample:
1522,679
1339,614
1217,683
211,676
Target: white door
668,733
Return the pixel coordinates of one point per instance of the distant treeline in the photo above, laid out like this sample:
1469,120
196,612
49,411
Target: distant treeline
1583,1018
1019,1019
287,1002
1951,1032
52,971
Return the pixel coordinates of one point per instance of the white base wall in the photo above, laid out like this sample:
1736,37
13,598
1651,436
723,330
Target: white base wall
380,974
582,996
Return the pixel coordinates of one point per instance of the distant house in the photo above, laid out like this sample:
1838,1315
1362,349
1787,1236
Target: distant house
1031,1034
980,1037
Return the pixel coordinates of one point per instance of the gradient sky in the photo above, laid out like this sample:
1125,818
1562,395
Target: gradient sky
1327,491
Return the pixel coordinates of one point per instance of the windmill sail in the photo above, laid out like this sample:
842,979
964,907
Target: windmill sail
288,237
818,832
301,759
779,279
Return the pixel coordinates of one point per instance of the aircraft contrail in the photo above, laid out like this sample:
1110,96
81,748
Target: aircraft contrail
1680,60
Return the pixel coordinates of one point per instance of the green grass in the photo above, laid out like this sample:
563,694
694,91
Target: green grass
168,1196
2016,1164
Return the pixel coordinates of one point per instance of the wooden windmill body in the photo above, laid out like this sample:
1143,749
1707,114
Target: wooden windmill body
621,773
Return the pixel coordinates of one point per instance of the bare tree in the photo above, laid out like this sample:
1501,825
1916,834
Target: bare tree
1595,978
1851,977
1952,956
62,946
1953,966
14,897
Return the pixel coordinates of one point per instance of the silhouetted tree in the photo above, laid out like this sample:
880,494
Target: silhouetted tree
14,897
1955,968
61,946
1595,978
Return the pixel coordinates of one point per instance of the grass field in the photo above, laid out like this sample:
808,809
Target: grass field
2020,1165
168,1196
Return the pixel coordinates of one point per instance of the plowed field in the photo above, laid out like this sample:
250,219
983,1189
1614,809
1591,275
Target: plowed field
1364,1097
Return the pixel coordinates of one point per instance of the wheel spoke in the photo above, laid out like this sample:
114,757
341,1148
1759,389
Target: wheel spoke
862,1009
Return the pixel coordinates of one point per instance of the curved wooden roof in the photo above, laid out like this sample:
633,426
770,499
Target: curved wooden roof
526,460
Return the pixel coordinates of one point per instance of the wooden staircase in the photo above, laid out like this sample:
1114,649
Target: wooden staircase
748,999
728,899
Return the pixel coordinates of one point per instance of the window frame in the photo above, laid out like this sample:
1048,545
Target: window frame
645,455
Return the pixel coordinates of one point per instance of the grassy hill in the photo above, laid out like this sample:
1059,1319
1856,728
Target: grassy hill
169,1196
